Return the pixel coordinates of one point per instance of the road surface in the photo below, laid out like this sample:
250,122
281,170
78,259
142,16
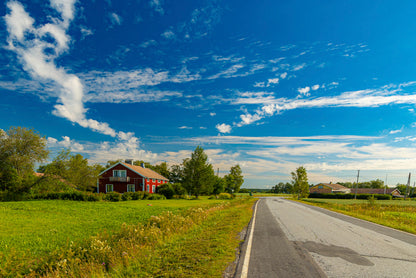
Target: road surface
290,239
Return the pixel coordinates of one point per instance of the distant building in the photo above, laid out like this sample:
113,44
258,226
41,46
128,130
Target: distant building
389,191
329,188
126,177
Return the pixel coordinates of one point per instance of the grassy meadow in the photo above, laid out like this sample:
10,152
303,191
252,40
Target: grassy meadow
397,214
70,238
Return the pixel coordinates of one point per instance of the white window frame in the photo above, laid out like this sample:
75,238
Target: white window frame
153,188
132,189
106,188
120,173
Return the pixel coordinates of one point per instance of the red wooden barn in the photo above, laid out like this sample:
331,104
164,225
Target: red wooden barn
125,177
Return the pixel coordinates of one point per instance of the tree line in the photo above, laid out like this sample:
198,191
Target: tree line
21,149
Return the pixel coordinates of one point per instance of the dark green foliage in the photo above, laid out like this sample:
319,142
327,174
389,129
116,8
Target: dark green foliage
349,196
166,190
281,187
73,196
179,189
112,197
219,185
126,196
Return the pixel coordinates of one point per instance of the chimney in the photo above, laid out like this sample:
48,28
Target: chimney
143,166
129,161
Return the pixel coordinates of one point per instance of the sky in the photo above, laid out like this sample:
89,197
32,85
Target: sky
270,85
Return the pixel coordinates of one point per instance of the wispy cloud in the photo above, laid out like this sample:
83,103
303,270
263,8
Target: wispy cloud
115,19
38,53
157,5
387,95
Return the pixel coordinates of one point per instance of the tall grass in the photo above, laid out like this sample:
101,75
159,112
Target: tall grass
397,214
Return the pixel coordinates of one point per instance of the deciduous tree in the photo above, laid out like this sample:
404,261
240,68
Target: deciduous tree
234,179
300,183
198,173
20,149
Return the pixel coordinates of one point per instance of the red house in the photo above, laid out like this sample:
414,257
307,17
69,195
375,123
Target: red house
125,177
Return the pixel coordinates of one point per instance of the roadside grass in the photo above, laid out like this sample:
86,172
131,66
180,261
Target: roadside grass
196,242
397,214
204,251
43,226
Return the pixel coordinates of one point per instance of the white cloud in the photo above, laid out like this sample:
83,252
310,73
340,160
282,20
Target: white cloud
212,114
40,64
283,75
157,5
304,91
299,67
185,127
396,131
260,84
223,128
168,34
272,81
315,87
115,19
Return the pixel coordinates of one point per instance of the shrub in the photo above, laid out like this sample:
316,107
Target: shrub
112,197
225,196
126,196
349,196
156,197
166,190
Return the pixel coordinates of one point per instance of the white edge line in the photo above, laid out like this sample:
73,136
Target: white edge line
244,270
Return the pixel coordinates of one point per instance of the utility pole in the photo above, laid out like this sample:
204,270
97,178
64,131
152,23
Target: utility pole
356,186
407,187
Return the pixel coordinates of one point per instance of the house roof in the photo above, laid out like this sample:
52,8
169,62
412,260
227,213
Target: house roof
144,172
335,186
373,190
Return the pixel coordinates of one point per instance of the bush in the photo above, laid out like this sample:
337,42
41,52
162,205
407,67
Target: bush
349,196
225,196
112,197
166,190
126,196
6,196
156,197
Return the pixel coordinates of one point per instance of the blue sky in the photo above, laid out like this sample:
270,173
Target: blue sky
271,85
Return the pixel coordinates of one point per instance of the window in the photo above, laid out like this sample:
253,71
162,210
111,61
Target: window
153,189
130,188
119,173
320,187
109,188
153,180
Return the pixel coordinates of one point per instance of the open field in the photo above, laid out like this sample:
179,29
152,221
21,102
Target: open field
189,238
397,214
41,226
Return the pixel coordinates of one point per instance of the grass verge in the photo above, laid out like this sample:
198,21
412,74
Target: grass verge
197,242
396,214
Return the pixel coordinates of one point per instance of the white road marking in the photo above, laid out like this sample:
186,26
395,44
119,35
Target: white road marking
244,270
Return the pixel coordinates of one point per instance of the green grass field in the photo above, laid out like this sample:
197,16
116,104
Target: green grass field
398,214
41,226
163,238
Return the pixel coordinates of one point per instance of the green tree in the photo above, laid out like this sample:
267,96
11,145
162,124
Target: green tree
281,187
198,173
74,168
176,174
300,183
20,150
234,179
162,169
219,185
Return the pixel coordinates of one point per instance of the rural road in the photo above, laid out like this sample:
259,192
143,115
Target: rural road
289,239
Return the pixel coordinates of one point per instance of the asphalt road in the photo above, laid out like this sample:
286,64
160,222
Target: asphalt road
290,239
